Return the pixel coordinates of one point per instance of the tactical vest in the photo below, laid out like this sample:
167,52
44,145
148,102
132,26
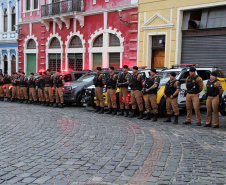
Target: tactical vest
14,83
1,82
6,80
17,82
32,83
97,81
135,84
192,86
122,79
170,89
48,80
23,83
211,90
58,82
110,82
150,82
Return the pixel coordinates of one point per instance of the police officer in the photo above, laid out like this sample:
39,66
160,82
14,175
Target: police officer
59,83
136,84
32,89
172,89
99,83
7,81
40,85
123,82
111,82
48,88
23,88
151,87
1,89
194,86
15,87
214,91
18,85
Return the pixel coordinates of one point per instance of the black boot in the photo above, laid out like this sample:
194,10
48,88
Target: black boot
121,113
97,109
101,110
175,120
47,104
114,112
29,102
55,105
127,113
61,105
148,117
133,114
109,111
12,100
155,118
51,104
8,99
168,119
1,99
43,103
26,101
141,115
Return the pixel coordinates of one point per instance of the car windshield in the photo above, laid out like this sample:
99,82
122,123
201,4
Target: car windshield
165,75
86,78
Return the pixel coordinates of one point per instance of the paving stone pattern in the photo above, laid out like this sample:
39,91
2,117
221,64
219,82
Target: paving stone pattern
43,145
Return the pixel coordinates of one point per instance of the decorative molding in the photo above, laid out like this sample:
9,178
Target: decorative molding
51,37
66,20
46,23
28,38
80,19
58,21
69,37
146,25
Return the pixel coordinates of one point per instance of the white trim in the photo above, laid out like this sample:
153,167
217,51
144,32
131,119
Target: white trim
168,24
179,24
138,37
149,47
143,40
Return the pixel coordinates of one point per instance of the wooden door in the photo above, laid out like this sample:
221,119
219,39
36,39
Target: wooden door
158,58
13,64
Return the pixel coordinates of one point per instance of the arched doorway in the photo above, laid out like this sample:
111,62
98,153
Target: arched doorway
54,55
75,58
31,57
13,64
5,63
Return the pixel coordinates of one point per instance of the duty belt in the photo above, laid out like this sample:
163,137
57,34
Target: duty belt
110,87
23,86
32,86
192,93
48,85
57,86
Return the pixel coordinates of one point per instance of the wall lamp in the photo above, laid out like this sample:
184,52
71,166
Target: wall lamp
120,13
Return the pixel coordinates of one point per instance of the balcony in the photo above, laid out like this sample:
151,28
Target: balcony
62,11
62,7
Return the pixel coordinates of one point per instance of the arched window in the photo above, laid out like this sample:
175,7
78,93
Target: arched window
113,40
5,63
31,44
55,43
98,42
13,19
5,20
75,42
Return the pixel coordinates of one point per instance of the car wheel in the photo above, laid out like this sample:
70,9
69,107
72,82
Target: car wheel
68,103
79,99
162,107
223,113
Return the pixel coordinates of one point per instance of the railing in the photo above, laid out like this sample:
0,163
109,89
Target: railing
62,7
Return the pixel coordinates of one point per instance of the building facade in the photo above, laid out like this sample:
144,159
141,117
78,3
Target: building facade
179,32
9,61
77,34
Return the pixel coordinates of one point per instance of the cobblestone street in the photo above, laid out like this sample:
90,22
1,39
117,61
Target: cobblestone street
40,145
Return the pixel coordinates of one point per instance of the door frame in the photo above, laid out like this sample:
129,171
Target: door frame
149,47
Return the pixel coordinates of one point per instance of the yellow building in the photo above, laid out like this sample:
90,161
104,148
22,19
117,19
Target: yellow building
182,31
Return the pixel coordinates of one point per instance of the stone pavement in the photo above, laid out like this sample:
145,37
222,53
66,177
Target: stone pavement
40,145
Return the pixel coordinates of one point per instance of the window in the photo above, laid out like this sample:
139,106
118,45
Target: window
13,19
5,20
54,43
31,44
35,4
114,60
5,63
114,40
28,5
75,42
98,42
67,78
75,61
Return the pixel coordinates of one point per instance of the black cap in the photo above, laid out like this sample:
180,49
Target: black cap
135,67
98,68
214,73
192,69
173,74
19,72
14,73
112,68
1,74
40,73
48,70
32,73
5,73
23,73
125,67
153,70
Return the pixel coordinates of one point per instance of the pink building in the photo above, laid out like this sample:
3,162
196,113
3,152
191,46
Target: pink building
77,34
